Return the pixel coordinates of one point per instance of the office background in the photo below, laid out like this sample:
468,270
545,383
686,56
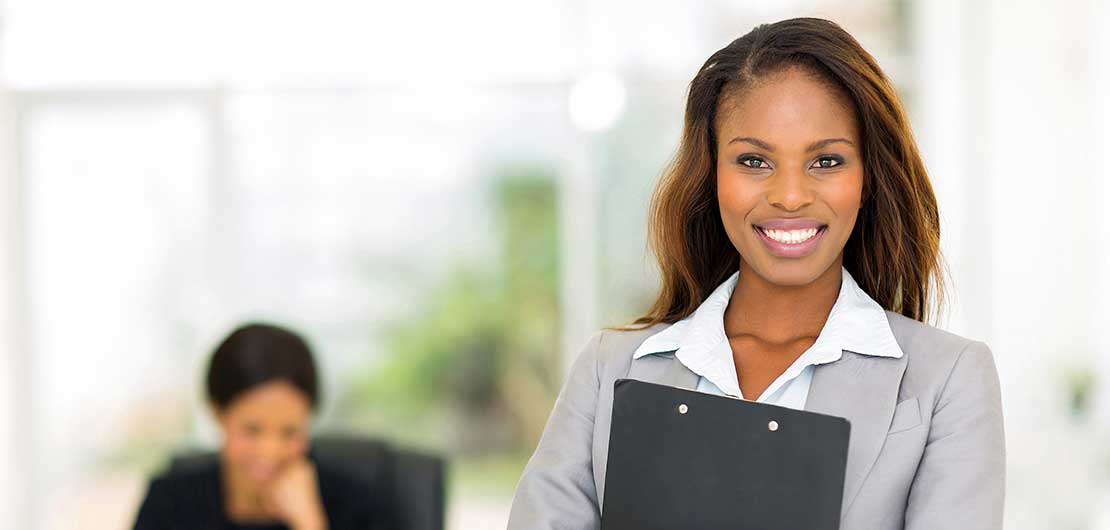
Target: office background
447,198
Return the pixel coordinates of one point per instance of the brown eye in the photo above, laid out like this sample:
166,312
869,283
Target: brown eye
827,162
753,162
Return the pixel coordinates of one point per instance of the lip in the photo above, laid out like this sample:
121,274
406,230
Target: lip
788,250
800,223
261,473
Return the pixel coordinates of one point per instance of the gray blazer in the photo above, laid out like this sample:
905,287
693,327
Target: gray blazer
927,450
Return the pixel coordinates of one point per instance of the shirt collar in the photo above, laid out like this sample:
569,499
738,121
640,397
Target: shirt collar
856,323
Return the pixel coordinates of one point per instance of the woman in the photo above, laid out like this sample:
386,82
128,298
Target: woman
797,237
262,388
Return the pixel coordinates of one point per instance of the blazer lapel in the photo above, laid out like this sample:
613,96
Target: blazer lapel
863,390
665,369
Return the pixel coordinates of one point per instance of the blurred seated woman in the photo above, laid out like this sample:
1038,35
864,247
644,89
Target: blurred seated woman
262,389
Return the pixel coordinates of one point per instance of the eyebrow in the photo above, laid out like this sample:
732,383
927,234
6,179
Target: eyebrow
812,147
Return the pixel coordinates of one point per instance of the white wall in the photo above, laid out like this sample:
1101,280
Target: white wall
14,468
1007,118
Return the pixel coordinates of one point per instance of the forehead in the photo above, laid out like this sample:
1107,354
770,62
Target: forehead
273,401
787,108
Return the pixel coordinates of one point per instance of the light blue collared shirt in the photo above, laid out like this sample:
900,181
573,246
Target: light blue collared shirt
856,323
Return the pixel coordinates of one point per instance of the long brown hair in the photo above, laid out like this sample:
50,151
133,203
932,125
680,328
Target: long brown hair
893,252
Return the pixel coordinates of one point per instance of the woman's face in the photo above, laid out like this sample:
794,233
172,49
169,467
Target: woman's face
789,175
264,429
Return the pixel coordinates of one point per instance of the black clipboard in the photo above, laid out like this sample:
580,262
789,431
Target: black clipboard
686,460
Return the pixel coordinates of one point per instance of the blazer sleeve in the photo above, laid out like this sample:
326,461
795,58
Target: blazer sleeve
961,479
156,509
556,490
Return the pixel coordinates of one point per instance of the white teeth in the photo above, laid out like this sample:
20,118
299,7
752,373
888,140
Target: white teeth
792,237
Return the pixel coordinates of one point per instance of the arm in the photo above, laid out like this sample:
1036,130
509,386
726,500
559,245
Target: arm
155,512
556,490
960,482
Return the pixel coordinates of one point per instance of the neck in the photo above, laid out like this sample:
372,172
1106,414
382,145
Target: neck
778,314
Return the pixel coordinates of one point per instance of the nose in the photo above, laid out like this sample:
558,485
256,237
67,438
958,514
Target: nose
790,190
270,450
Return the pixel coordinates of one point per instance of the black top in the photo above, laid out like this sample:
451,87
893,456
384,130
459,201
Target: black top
193,499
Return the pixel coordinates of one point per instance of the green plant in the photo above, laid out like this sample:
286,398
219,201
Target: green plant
478,364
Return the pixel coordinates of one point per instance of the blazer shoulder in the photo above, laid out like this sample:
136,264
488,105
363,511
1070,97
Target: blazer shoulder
182,498
616,346
931,353
190,476
912,334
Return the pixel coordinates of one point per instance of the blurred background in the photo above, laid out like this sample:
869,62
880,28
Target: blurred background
448,198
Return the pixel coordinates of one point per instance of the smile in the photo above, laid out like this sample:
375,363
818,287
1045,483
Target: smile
790,243
792,237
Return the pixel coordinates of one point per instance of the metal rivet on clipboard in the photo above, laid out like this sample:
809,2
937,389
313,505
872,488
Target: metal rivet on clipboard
772,426
683,409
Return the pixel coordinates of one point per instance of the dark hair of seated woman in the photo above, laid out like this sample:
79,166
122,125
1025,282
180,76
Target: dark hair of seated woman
262,387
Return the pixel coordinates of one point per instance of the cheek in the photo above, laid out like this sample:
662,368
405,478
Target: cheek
286,448
295,447
733,196
844,199
238,446
735,201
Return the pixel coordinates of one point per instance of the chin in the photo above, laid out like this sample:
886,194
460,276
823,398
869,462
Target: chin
790,272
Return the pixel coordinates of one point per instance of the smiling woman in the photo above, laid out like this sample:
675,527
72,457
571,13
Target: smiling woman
792,153
797,237
819,113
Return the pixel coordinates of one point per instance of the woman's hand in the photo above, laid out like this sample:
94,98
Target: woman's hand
295,498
